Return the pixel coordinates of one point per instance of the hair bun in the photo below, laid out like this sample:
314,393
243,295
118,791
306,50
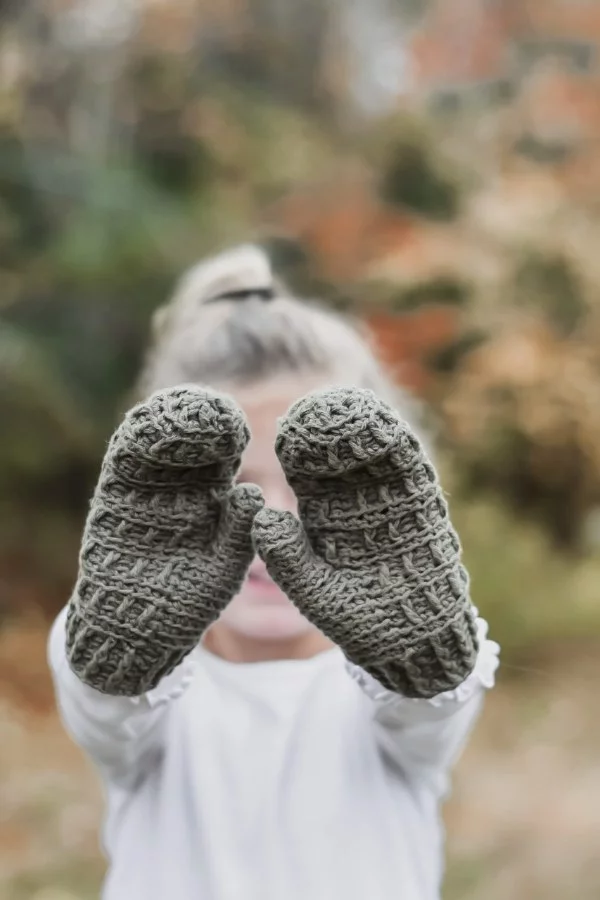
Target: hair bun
234,275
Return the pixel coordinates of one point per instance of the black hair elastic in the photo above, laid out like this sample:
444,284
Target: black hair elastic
244,294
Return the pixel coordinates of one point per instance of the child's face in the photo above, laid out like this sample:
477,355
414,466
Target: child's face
261,611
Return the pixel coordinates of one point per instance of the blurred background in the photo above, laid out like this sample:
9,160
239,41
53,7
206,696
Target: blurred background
432,168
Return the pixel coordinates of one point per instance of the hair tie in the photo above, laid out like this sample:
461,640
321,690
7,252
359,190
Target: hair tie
266,294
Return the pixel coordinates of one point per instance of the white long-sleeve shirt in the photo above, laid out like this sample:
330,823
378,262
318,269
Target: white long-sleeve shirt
292,780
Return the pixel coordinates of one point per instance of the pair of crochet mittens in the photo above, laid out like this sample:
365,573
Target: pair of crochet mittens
372,559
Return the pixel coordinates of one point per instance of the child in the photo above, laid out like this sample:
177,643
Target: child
273,677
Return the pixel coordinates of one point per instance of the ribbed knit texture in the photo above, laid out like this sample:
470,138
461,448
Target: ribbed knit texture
374,561
167,541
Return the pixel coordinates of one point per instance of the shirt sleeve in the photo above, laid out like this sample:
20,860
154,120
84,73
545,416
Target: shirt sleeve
425,737
121,735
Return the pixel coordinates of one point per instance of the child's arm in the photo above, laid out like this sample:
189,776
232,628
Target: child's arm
375,563
166,546
122,735
425,737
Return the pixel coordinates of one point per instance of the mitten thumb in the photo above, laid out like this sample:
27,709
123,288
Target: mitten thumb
283,545
233,545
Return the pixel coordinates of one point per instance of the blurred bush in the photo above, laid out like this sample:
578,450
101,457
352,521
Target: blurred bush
413,179
534,598
522,417
138,139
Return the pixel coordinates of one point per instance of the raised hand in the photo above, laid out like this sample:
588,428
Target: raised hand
373,560
167,541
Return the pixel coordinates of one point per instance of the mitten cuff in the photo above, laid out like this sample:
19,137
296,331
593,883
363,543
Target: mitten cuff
117,664
481,678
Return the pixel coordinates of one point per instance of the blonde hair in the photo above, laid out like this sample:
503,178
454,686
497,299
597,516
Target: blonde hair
231,322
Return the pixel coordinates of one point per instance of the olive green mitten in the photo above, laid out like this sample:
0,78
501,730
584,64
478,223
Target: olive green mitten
373,560
167,541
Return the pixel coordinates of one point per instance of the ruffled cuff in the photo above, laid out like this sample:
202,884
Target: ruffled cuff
168,689
481,678
171,686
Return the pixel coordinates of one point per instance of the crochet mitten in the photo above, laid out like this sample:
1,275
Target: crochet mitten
373,562
167,541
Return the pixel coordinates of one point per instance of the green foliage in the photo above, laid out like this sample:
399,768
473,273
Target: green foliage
24,222
413,180
529,593
439,291
551,283
93,239
446,360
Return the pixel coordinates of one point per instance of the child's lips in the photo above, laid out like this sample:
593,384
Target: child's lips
263,586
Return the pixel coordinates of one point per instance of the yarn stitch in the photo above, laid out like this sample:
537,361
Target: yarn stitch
167,542
374,561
